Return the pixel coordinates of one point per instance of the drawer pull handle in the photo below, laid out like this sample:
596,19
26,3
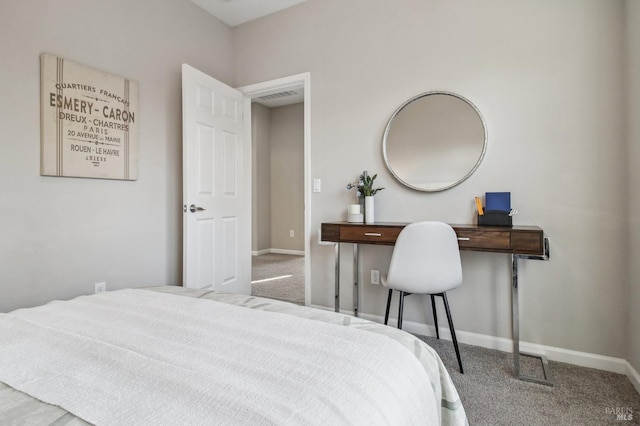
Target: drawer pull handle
464,239
372,234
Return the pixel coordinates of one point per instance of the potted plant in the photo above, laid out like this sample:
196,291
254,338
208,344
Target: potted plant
364,189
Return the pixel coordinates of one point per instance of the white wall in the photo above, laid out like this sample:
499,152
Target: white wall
61,235
260,177
287,177
546,75
633,113
278,174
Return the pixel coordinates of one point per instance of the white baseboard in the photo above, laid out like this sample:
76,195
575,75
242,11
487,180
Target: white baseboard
633,376
583,359
284,251
277,251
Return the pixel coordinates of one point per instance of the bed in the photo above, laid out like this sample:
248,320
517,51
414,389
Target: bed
175,356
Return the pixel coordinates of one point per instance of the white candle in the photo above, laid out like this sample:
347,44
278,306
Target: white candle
354,209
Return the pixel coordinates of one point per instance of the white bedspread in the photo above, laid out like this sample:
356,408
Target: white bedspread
142,357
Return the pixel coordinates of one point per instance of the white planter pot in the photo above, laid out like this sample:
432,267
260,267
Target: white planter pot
369,210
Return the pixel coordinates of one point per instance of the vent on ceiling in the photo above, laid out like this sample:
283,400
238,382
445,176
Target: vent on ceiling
277,95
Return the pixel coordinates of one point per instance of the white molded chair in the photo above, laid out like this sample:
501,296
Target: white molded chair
425,260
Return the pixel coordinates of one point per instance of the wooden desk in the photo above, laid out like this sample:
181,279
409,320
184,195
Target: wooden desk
522,242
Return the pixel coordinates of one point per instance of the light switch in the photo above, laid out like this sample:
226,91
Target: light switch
317,185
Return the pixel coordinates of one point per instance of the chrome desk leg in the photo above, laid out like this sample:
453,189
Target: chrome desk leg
515,324
337,280
356,275
355,278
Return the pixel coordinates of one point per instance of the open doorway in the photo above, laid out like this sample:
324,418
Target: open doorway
280,137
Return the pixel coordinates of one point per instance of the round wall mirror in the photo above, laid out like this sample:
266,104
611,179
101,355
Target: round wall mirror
434,141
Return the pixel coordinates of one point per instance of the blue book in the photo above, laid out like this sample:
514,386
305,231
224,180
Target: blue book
497,201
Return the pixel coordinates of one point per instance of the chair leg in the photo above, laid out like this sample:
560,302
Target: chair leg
453,332
400,308
435,315
386,315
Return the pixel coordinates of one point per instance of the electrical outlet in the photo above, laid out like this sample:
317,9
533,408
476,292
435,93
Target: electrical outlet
375,277
291,233
100,287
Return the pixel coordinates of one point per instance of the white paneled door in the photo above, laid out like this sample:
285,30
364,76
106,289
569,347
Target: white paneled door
217,186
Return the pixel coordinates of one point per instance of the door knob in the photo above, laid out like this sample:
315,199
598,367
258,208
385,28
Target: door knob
193,208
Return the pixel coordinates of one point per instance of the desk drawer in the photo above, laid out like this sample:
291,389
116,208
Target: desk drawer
370,234
528,242
495,240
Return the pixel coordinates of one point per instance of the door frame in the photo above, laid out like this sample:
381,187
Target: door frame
260,89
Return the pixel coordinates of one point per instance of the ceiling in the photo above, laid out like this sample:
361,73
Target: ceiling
236,12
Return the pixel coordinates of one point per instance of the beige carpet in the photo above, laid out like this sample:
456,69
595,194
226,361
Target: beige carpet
278,276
